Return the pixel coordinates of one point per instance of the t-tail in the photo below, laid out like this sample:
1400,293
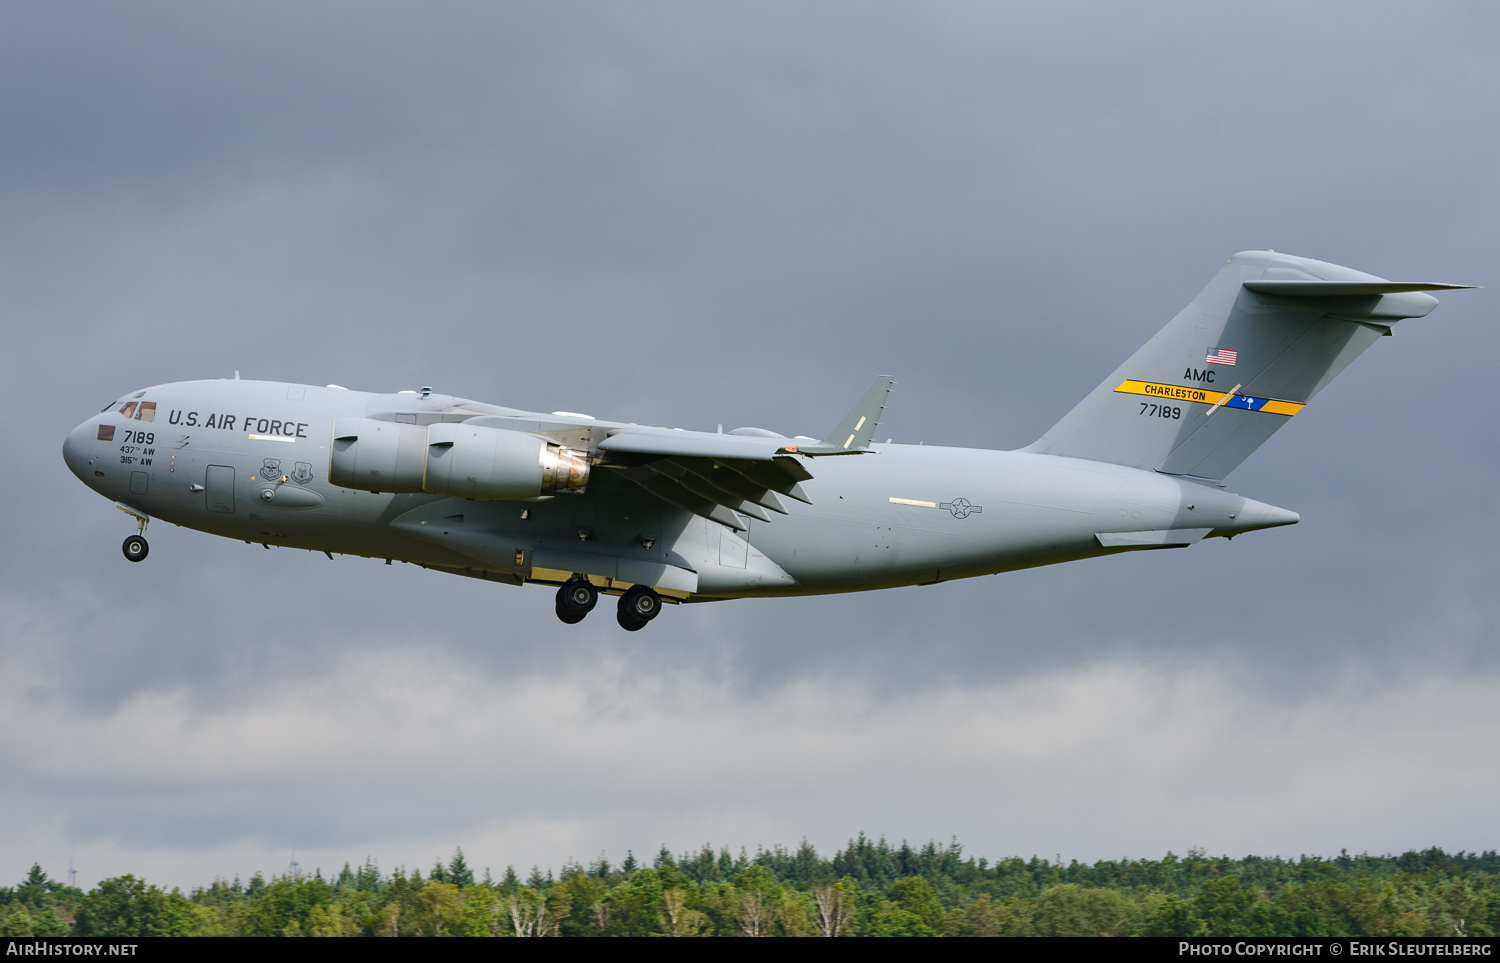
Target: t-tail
1254,347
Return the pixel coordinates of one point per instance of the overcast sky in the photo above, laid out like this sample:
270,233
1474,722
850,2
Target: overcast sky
691,214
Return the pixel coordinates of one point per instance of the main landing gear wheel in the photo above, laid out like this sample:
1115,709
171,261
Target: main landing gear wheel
135,548
576,599
639,605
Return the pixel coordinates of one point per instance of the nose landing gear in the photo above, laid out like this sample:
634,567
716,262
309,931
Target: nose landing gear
135,547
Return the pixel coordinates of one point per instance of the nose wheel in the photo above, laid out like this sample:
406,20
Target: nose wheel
135,548
639,605
576,599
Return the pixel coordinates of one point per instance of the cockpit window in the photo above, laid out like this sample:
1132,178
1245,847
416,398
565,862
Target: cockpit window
128,409
146,411
114,406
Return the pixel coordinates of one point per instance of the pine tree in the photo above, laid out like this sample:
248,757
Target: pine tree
459,873
368,877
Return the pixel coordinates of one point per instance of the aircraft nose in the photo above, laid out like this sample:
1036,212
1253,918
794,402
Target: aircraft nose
76,449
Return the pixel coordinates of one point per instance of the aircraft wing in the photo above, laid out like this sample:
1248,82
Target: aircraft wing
724,477
720,477
699,444
718,488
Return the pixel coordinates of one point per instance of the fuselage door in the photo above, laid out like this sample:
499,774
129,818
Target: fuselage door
219,488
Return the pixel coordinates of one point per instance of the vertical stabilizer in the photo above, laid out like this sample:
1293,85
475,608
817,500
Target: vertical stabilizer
1265,336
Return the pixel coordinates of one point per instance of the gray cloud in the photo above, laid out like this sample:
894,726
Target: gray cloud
685,215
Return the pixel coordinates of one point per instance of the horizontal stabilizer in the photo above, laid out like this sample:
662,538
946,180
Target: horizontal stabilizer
1346,289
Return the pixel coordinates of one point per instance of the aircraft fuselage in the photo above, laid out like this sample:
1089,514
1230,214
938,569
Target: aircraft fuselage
658,514
251,460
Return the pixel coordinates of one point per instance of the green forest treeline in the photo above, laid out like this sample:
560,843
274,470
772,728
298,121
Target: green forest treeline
868,889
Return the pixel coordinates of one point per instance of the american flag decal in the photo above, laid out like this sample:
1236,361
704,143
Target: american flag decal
1221,356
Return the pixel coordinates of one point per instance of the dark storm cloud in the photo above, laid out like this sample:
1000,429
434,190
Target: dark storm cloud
687,215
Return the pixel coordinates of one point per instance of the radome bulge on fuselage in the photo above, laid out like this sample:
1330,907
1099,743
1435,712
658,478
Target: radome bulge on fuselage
656,514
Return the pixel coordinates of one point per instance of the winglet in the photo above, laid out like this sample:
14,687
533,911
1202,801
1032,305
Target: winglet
851,436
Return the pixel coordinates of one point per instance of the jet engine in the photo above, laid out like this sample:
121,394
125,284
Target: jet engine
492,464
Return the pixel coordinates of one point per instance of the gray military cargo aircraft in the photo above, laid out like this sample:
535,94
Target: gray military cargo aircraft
659,515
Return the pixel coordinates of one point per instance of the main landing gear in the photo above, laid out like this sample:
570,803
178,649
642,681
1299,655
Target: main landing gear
639,605
577,598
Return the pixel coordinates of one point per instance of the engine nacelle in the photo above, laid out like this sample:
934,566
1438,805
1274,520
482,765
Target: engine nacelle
461,460
498,465
378,456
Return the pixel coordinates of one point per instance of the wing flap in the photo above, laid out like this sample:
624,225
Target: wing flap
675,494
781,475
727,479
706,489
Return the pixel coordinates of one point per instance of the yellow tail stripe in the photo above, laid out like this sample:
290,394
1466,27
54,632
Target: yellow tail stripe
1204,396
